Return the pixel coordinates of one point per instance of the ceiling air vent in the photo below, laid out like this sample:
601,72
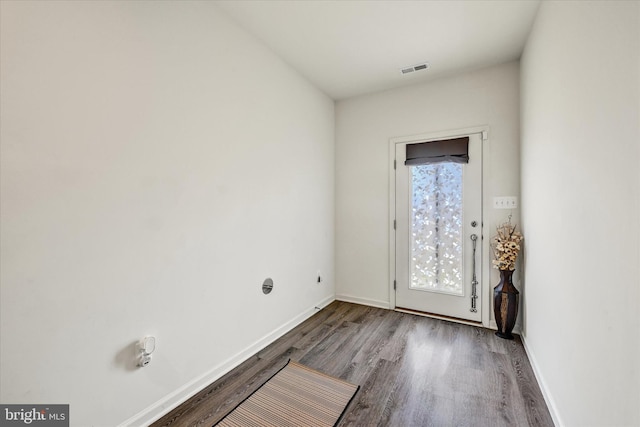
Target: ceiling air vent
413,68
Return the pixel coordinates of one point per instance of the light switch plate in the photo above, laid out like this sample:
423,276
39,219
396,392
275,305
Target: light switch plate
505,202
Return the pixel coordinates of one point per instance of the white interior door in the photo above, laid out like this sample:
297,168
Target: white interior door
438,223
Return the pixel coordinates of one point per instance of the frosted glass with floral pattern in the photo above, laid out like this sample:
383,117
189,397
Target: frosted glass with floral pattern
436,228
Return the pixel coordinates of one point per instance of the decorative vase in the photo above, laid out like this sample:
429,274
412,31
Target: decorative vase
505,304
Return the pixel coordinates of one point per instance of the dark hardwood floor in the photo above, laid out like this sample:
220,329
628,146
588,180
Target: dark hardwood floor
413,371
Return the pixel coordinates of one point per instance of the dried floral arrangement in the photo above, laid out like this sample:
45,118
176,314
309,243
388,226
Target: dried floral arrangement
506,246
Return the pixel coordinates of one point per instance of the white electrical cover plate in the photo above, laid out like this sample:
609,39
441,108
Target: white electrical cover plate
506,202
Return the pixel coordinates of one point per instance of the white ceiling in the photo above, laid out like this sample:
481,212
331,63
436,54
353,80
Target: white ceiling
349,48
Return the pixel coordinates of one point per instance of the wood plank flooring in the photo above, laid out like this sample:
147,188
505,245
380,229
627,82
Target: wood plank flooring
413,371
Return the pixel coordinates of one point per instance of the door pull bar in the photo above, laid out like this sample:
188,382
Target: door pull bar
474,281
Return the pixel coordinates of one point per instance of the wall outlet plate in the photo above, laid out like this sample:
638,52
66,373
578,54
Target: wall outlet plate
144,360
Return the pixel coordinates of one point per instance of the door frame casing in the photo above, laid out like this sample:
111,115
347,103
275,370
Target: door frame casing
484,292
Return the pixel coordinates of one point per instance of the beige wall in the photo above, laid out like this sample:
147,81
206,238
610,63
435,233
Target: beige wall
581,214
364,126
157,164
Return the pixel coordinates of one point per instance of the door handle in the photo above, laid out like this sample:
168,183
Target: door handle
474,281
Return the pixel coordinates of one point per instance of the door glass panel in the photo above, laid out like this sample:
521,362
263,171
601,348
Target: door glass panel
436,228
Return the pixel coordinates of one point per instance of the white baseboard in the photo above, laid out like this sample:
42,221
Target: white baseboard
363,301
167,403
553,410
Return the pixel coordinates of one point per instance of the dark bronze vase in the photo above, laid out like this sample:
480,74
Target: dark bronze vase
505,304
